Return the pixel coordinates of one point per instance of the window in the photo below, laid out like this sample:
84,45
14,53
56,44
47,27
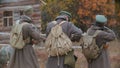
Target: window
8,18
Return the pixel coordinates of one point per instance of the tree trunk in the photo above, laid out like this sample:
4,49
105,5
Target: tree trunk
117,9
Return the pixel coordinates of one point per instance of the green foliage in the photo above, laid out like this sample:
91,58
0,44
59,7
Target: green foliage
53,7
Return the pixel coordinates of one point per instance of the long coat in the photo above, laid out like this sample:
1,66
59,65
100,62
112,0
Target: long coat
103,37
68,29
26,57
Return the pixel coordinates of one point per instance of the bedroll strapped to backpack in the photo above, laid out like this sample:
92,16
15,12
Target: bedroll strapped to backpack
57,42
16,36
89,47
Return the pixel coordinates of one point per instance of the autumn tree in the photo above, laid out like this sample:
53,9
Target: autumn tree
89,8
110,8
83,11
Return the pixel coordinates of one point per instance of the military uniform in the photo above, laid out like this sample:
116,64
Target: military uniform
26,57
68,29
106,35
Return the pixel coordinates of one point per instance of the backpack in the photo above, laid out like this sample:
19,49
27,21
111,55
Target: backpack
16,36
89,47
57,42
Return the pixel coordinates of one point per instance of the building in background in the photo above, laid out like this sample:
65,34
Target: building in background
11,10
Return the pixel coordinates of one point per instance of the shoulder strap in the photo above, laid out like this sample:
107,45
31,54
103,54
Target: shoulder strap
96,33
88,31
55,22
24,23
62,22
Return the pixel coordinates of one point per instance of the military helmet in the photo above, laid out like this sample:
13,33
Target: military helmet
101,19
65,13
